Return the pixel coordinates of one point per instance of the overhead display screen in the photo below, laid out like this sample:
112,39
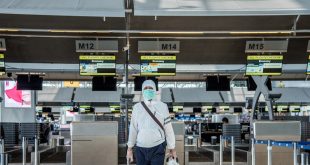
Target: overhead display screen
91,65
177,108
158,65
115,108
264,65
2,64
294,108
224,108
308,66
283,108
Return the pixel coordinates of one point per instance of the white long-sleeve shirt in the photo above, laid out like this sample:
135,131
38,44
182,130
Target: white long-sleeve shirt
145,132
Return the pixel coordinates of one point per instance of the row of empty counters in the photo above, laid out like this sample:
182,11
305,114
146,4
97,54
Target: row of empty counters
60,96
97,143
88,145
104,147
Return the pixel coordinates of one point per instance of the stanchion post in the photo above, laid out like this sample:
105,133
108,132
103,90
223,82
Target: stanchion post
2,146
302,158
253,152
295,153
221,150
4,158
232,150
36,148
307,159
25,145
269,150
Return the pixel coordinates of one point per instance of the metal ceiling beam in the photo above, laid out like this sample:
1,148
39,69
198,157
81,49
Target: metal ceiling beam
134,68
136,34
83,31
154,37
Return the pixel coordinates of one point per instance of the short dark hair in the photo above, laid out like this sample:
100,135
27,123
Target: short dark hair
225,120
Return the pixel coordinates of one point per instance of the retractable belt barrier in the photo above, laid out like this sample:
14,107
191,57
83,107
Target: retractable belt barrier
232,142
4,155
288,144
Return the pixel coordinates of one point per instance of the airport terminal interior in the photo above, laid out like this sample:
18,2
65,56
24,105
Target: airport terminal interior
233,73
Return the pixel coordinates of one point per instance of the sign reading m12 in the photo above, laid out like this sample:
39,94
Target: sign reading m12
158,46
266,46
2,44
109,46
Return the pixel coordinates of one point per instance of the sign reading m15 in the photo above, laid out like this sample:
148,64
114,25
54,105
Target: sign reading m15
266,46
159,47
2,44
109,46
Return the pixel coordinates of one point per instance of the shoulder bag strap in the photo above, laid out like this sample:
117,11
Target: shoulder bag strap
153,116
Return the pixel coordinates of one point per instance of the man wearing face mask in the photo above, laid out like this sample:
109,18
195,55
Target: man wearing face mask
150,137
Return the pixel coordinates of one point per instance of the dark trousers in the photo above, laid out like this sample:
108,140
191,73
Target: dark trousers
151,156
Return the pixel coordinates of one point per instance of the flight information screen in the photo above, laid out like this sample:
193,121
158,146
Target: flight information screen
2,64
97,65
264,65
158,65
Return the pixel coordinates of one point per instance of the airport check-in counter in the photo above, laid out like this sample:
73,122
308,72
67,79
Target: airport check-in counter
94,143
278,131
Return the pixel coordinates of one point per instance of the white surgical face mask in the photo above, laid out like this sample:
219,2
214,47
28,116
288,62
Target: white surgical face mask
149,94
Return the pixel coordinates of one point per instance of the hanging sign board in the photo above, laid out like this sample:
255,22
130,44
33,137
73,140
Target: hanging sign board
109,46
308,49
266,46
2,44
159,47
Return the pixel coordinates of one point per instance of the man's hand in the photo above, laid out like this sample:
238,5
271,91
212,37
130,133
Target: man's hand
129,155
173,153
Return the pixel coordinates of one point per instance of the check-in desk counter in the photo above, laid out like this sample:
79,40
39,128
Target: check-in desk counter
94,143
178,128
278,131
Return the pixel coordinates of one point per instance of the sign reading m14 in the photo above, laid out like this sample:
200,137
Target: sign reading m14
158,46
109,46
266,46
2,44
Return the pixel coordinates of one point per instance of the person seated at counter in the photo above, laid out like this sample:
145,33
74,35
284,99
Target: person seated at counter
225,120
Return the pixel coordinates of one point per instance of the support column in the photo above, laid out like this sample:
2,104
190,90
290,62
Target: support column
261,89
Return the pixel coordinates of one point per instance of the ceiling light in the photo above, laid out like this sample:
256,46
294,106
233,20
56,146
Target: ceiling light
261,32
171,32
76,31
9,30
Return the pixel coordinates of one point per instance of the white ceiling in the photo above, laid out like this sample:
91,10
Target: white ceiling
87,8
221,7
